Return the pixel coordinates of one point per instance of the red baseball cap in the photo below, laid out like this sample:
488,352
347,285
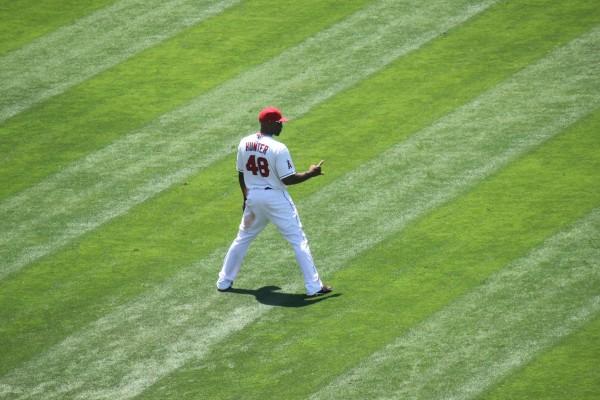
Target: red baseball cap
271,114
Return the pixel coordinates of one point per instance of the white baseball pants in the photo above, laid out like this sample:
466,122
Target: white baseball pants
276,206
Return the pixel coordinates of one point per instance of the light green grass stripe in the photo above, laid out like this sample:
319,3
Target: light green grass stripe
126,351
517,313
109,182
55,62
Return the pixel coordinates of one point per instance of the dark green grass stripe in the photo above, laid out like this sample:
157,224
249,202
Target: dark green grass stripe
93,114
81,283
294,352
568,371
25,20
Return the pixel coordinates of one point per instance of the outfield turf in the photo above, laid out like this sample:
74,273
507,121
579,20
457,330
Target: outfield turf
458,218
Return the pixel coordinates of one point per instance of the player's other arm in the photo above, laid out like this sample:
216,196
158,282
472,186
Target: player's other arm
240,167
243,187
299,177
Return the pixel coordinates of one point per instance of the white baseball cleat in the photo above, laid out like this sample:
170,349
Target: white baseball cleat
224,286
324,290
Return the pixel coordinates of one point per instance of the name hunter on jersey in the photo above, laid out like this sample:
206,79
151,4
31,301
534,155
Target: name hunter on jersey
258,147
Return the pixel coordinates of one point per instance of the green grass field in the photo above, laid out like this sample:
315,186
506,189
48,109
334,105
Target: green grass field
458,218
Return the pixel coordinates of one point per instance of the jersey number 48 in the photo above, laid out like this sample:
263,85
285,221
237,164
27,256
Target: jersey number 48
258,165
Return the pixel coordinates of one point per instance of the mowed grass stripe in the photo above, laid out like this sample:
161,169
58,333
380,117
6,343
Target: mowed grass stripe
133,330
55,62
109,182
464,348
26,20
84,281
400,282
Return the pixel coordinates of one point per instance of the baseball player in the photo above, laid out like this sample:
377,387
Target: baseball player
265,169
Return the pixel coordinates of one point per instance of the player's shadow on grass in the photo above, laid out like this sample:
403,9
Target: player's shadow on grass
268,295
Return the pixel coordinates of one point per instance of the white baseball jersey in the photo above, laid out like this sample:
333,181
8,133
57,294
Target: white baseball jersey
264,162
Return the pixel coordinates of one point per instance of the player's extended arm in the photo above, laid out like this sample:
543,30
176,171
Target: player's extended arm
299,177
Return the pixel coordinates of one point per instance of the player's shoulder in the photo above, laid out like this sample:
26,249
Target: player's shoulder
276,144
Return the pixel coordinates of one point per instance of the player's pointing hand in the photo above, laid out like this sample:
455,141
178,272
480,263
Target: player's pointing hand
315,170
